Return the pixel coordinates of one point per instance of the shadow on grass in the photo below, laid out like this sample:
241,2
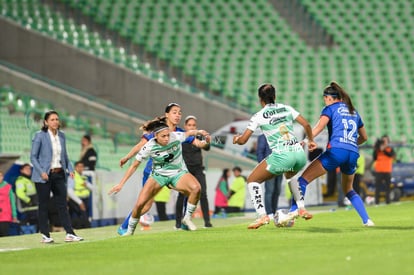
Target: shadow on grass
323,230
339,230
380,227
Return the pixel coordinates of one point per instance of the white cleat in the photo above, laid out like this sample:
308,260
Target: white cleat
73,238
288,219
369,223
46,239
128,232
191,226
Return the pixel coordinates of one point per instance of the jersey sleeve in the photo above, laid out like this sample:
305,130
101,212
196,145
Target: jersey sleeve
294,113
180,136
148,136
189,139
254,123
326,112
143,153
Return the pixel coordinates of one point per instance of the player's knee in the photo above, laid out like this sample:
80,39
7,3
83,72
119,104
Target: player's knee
195,188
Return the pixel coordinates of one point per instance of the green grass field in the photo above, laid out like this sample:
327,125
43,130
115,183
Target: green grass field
330,243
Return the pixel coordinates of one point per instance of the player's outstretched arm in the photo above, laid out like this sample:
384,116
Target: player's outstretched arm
133,152
203,144
197,132
320,125
115,189
242,139
309,133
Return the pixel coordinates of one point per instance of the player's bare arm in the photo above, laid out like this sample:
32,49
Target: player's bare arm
242,139
133,152
131,170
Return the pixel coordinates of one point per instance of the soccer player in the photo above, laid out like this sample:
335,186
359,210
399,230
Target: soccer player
172,118
346,131
168,170
288,157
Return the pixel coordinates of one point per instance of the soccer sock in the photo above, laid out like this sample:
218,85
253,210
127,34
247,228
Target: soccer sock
189,211
124,224
185,202
298,189
293,205
256,195
132,224
302,190
358,204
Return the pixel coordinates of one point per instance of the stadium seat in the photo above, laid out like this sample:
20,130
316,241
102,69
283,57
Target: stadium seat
232,46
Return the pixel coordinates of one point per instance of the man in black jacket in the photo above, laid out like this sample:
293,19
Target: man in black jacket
194,160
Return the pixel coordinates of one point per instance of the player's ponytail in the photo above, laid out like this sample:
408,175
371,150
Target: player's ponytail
267,93
337,91
150,125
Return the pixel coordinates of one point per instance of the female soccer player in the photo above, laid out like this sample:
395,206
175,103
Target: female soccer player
346,131
172,118
168,170
276,122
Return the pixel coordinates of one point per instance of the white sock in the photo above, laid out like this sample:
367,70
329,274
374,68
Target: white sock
256,195
296,192
132,224
190,210
301,204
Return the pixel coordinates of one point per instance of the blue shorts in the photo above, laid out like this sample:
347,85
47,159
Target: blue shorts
346,160
145,176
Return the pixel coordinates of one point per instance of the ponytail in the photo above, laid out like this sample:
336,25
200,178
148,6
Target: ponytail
337,91
150,125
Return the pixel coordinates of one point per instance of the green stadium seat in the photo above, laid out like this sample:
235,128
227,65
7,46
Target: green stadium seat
234,47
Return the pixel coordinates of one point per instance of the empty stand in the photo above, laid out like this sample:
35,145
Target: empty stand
21,116
234,46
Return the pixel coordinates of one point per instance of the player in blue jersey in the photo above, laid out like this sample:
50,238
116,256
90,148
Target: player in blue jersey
169,170
346,131
172,118
287,157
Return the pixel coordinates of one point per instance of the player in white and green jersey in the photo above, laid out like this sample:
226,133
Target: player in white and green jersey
167,160
287,157
276,123
168,170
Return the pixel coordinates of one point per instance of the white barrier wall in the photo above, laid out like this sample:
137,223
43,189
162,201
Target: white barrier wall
119,205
